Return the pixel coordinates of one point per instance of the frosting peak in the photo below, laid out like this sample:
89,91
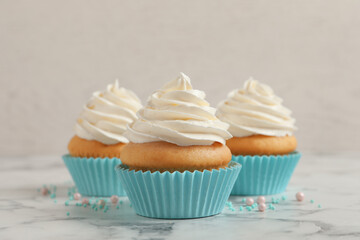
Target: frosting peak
182,82
178,114
106,114
255,109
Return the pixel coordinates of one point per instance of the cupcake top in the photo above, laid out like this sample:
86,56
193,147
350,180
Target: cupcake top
178,114
256,110
106,114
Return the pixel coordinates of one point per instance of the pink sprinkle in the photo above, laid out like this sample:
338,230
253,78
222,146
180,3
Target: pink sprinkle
300,196
114,199
261,199
262,207
85,201
249,201
77,196
44,191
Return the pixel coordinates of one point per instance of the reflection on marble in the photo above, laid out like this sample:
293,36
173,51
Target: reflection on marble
331,180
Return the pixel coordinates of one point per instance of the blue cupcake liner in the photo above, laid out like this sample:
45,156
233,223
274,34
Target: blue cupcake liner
264,175
178,195
95,176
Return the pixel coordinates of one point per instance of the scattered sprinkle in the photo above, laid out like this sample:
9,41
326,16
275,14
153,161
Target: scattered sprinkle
248,208
55,201
117,207
284,197
84,205
312,201
53,195
68,214
241,208
243,200
319,205
66,203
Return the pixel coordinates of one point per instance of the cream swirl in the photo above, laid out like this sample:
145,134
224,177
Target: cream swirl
106,115
255,109
178,114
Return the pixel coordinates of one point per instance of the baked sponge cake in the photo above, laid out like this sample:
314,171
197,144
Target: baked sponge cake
177,147
262,129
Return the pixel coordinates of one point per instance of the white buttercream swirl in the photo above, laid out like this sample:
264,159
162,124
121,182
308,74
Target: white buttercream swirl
106,115
255,109
178,114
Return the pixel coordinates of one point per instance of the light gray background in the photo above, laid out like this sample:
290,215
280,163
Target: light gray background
54,54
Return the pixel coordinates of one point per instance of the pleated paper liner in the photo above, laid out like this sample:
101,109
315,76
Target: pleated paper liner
264,175
178,195
95,176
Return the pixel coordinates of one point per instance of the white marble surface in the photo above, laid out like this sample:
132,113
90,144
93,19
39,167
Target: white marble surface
331,180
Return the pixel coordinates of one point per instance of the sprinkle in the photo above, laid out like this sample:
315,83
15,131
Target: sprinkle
312,201
78,204
77,196
96,209
121,202
262,207
271,206
85,201
101,203
248,208
117,207
71,198
249,201
300,196
53,195
261,199
243,200
241,208
319,205
84,205
114,199
68,214
283,197
55,201
66,203
44,191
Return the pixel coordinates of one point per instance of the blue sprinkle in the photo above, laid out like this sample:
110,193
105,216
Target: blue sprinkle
71,198
66,203
68,214
117,207
319,206
312,201
241,208
84,205
248,208
243,200
121,202
78,204
53,195
96,209
55,201
284,197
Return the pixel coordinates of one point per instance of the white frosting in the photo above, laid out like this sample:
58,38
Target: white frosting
255,109
106,115
178,114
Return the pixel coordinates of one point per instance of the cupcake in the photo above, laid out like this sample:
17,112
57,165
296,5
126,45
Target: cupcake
95,149
263,140
177,164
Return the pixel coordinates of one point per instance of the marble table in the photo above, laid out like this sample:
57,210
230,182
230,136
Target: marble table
332,180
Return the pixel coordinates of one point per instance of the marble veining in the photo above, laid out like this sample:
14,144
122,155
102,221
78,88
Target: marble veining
332,180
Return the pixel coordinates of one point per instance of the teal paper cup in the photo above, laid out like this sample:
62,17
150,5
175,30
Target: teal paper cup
178,195
264,175
95,176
